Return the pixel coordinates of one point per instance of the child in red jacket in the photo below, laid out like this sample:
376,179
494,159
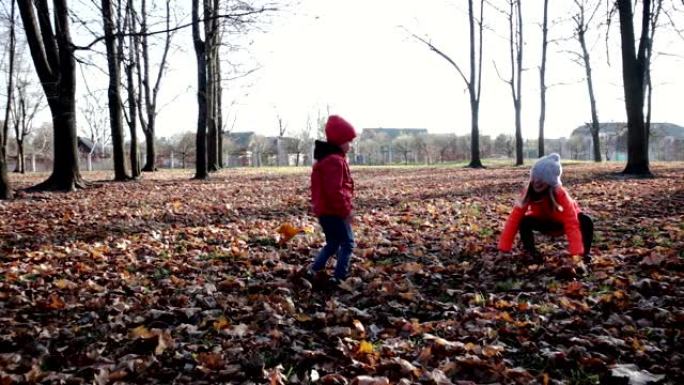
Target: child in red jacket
332,189
546,207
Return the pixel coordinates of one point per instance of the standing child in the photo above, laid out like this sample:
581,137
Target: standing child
546,207
332,189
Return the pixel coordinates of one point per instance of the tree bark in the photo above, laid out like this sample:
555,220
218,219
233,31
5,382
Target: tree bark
474,86
633,72
5,190
201,170
210,28
53,58
516,55
595,126
114,92
542,79
219,95
10,75
130,86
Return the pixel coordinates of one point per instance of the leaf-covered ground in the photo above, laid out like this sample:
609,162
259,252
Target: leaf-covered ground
168,280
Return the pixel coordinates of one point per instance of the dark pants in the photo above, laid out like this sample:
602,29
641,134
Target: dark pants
529,224
338,239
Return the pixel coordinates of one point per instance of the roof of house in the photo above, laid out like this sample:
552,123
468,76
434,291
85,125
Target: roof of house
85,144
241,141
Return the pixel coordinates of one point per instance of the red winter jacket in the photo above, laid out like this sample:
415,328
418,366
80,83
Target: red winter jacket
332,187
542,209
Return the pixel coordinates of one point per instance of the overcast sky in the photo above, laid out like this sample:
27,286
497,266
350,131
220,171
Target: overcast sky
357,57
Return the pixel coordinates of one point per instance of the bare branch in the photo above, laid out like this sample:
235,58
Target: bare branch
234,16
443,55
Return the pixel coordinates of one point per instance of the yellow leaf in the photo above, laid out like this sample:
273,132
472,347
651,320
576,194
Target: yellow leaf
141,332
470,346
491,351
365,347
64,284
221,323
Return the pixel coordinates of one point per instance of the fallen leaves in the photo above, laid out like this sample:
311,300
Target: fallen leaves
171,280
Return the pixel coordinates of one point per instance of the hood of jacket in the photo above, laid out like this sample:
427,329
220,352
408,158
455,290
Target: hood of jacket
323,149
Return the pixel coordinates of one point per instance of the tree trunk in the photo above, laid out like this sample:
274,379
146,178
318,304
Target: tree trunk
10,82
55,65
201,170
219,94
542,79
114,92
592,99
211,41
148,125
132,123
474,87
21,167
5,190
633,71
150,150
516,56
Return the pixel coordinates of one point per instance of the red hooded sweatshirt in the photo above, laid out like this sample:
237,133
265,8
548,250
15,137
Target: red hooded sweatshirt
543,209
332,187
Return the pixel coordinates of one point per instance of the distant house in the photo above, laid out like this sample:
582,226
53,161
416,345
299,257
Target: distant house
246,149
387,140
392,133
85,145
666,141
238,147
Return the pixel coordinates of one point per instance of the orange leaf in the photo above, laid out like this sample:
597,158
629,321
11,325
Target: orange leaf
55,302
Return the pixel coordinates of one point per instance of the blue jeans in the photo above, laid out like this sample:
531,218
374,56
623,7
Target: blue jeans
338,239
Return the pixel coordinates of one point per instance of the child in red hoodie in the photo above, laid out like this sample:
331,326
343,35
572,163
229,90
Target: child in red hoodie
332,189
546,207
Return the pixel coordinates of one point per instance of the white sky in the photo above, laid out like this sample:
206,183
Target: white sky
354,56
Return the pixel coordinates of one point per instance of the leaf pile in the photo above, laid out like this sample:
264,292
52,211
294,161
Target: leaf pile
171,280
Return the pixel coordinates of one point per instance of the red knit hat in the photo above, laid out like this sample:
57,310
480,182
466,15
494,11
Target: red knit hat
338,131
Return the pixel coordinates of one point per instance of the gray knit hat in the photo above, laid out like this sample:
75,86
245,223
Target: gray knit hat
548,170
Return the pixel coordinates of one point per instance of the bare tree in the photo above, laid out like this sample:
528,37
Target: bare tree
211,39
515,29
114,90
130,26
5,190
27,105
148,92
52,52
634,74
582,24
184,145
201,170
504,145
96,127
542,78
402,144
474,81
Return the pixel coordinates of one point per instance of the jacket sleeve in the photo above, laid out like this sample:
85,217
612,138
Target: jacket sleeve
571,224
511,228
337,198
